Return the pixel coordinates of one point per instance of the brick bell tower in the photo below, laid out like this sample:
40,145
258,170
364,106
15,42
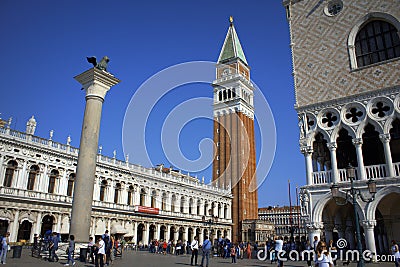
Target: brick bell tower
234,165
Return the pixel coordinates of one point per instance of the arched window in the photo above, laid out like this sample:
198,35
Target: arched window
233,92
377,41
70,188
190,205
11,167
225,212
173,200
153,199
32,177
130,195
116,192
52,181
220,96
198,207
164,201
229,93
224,94
103,187
142,197
182,206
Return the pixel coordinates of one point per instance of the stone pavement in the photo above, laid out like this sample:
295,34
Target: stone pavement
145,259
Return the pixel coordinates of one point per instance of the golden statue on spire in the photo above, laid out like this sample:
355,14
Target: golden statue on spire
231,19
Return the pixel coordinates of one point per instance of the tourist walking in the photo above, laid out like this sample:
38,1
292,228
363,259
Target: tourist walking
71,250
395,252
308,254
4,248
91,248
54,247
278,249
206,248
233,253
101,253
248,250
194,246
323,258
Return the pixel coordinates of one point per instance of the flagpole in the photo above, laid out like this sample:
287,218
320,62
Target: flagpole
290,213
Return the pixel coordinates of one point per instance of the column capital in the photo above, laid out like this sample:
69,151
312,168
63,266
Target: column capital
332,146
315,225
96,82
369,223
357,141
306,150
385,138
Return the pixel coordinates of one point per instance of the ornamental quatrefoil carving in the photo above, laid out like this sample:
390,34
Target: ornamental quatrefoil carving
310,122
380,109
329,119
354,114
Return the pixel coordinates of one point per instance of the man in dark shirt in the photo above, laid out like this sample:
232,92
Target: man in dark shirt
54,247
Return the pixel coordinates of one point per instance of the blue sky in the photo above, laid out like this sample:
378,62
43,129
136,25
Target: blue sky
45,44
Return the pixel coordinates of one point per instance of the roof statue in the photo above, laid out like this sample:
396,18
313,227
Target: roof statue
102,65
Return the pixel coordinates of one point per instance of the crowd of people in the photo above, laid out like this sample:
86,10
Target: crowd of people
102,251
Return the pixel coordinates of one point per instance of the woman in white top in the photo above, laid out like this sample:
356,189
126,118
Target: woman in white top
323,259
101,254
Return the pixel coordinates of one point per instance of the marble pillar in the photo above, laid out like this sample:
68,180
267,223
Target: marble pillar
96,83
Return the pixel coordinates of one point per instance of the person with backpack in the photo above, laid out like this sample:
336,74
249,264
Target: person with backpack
53,247
206,248
107,246
70,250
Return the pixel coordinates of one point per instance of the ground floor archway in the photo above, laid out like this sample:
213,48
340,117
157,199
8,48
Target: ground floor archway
24,231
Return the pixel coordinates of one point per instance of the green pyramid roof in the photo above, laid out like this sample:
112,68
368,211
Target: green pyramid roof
232,47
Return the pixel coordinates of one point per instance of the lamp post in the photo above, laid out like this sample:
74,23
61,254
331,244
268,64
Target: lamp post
209,222
351,196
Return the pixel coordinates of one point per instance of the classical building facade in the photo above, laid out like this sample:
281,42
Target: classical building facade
284,219
37,178
346,66
234,166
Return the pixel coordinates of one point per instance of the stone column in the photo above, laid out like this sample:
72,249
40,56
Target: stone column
109,225
59,223
135,229
15,226
314,229
361,169
385,138
38,222
368,226
168,233
332,149
96,84
157,234
307,152
145,240
176,236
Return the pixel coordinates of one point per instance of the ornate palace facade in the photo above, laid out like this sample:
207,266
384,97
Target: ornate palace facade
37,182
346,66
